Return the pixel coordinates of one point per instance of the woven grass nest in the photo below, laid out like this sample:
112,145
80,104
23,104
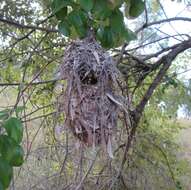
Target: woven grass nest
90,99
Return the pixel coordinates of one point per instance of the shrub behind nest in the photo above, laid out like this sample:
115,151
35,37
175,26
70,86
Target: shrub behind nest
89,100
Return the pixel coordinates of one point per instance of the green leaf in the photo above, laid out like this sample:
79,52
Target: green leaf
100,33
116,21
82,31
6,173
58,5
119,32
1,186
83,16
64,28
4,114
106,36
19,109
86,4
101,10
129,35
136,8
7,146
74,33
178,185
78,19
18,156
14,129
60,15
11,151
115,3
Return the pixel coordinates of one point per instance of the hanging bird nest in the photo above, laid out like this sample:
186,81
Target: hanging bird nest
89,100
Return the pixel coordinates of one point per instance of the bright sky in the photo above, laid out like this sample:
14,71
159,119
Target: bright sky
174,9
177,9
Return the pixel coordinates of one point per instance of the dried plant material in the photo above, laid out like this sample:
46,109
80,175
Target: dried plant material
90,100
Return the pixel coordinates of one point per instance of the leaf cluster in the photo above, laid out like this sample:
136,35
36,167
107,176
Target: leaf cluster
105,17
11,152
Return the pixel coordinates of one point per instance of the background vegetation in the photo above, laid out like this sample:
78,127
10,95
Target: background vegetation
152,61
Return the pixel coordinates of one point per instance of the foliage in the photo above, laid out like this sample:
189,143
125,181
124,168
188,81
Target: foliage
104,17
154,150
11,152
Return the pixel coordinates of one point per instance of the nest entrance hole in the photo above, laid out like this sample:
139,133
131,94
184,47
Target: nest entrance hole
87,75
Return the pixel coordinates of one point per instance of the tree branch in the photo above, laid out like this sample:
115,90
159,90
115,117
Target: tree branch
32,84
166,62
163,21
23,26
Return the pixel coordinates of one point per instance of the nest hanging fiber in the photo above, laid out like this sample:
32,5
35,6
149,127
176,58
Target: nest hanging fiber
89,103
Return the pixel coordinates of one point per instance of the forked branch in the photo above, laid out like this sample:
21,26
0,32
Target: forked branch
165,63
